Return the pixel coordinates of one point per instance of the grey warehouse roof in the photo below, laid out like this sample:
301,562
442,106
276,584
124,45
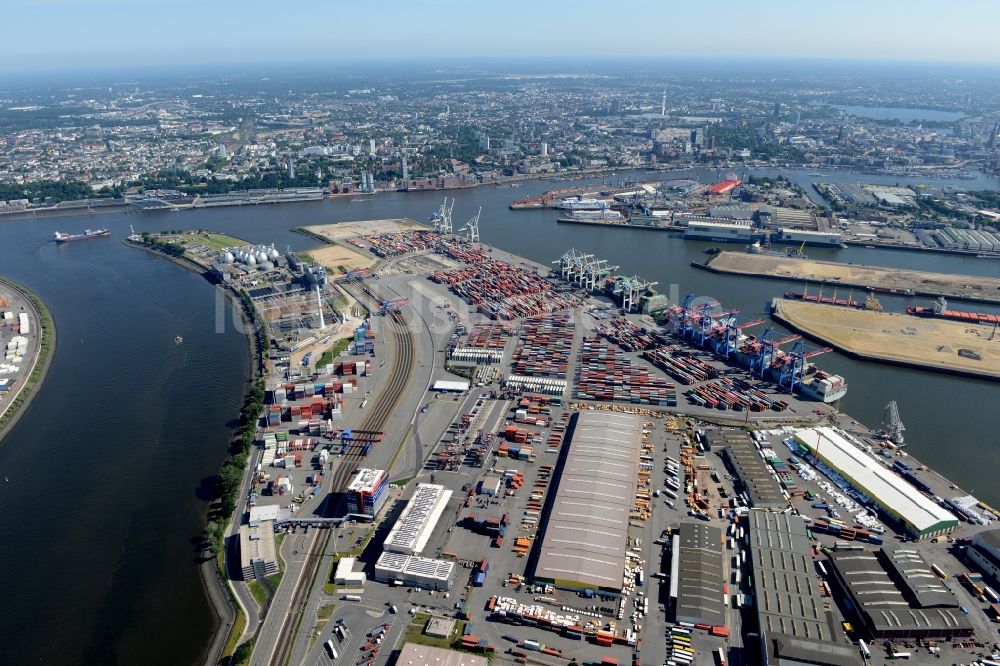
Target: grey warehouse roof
587,527
698,558
791,614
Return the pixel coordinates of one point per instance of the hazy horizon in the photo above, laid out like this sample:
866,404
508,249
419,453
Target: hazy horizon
73,35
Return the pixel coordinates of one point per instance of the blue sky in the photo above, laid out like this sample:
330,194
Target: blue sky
57,34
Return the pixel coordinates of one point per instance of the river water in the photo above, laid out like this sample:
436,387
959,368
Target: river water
107,466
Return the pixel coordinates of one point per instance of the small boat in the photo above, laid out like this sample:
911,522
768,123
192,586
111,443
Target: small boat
178,340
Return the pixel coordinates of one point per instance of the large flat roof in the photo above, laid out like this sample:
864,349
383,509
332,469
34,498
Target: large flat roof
414,654
884,486
698,557
416,523
760,483
587,526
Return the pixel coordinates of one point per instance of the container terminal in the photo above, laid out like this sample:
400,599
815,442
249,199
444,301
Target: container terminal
466,533
21,337
875,278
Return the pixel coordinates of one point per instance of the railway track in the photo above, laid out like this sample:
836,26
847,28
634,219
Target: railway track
375,419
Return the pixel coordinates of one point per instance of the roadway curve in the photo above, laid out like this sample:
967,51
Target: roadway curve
374,420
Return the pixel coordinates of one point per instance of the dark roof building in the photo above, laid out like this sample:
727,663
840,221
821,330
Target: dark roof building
744,458
795,626
897,596
696,575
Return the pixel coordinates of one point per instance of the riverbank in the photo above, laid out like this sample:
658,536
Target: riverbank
904,282
213,570
42,358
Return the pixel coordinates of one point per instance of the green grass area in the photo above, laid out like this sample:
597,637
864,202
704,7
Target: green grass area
415,633
239,626
326,612
333,352
214,241
259,593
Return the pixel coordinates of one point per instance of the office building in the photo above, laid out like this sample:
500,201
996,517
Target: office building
258,556
367,492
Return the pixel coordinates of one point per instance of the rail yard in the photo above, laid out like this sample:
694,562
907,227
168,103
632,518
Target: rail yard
523,463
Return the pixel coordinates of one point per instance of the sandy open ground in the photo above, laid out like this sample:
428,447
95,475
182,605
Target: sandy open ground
334,256
856,275
928,343
344,230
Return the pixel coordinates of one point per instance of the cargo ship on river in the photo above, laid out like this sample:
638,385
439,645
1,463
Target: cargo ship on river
61,237
940,311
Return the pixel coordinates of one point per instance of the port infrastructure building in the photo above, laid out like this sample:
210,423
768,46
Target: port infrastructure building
919,515
584,545
795,627
416,523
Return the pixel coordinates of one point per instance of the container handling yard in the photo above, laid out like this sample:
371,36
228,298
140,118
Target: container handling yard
552,465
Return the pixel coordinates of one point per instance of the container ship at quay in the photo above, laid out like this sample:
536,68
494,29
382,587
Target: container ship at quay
940,311
60,237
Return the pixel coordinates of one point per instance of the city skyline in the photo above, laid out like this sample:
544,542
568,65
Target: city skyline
142,33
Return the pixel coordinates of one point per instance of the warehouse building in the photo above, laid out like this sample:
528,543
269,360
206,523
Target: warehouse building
413,654
745,461
985,552
410,533
346,575
258,556
367,492
696,575
587,527
795,627
897,597
916,513
414,571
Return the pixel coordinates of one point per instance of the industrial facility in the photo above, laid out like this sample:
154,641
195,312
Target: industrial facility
917,514
346,575
410,533
897,596
414,571
367,492
587,528
795,626
696,575
413,654
258,557
756,478
985,552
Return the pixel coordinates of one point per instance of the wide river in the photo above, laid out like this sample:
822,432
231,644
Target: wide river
107,467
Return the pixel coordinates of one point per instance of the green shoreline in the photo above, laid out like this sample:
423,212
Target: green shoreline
46,346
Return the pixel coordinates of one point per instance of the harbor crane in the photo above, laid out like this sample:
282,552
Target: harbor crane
629,288
792,365
472,227
727,341
892,426
355,275
594,271
442,218
765,349
393,306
